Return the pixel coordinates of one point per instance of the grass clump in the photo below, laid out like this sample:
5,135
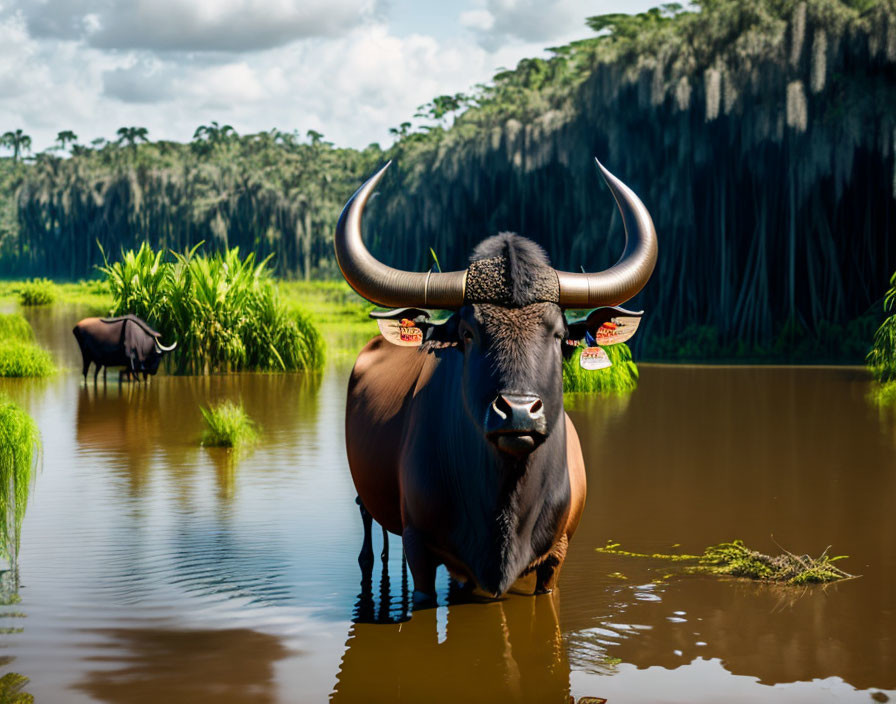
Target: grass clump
37,292
222,310
882,357
11,686
13,326
19,449
227,425
24,359
621,378
737,560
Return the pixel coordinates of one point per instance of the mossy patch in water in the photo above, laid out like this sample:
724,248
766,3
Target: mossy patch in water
737,560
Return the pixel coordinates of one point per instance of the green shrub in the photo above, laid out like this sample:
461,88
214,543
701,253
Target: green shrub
622,377
13,326
18,359
882,357
37,292
227,425
19,449
223,311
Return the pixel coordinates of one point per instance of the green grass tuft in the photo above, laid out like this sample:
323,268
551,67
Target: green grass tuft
19,449
737,560
882,357
621,378
13,326
11,686
37,292
227,425
21,359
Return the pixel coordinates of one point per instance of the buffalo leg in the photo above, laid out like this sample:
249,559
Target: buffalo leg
547,572
96,372
365,559
384,555
423,566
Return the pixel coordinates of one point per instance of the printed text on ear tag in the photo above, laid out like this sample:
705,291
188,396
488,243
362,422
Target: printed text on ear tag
594,358
403,333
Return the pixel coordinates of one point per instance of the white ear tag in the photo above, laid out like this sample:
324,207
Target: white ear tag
403,333
594,358
616,330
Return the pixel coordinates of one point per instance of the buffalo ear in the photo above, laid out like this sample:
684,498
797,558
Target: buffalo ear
604,326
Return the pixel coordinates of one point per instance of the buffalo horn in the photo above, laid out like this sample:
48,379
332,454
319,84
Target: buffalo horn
627,276
381,284
161,348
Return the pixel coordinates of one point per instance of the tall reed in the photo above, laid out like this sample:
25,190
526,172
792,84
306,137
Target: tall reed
19,450
222,310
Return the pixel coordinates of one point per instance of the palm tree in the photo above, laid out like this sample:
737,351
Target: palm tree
132,135
66,137
18,141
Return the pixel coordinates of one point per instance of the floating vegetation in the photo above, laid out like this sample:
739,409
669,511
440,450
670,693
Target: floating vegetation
223,311
737,560
227,425
13,326
37,292
19,450
20,359
620,378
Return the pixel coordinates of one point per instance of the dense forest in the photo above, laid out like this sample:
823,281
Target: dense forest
760,135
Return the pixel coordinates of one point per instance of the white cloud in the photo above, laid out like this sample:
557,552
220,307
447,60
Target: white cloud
193,25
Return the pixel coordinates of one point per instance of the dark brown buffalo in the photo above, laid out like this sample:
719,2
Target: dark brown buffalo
126,341
458,441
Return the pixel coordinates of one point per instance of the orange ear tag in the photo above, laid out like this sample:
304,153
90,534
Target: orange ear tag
400,332
594,358
616,330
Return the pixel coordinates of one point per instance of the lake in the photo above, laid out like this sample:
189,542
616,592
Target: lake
152,569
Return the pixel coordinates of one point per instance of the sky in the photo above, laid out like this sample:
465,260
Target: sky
349,69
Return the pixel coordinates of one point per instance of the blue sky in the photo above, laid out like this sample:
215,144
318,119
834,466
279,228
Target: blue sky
350,69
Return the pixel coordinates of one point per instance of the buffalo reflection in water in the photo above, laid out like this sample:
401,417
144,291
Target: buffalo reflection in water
509,650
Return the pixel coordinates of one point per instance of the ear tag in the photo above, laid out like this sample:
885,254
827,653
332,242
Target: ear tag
616,330
403,333
594,358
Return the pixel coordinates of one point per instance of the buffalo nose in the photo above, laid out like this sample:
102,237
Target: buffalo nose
516,423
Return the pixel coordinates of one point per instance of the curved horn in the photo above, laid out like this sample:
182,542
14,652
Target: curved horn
381,284
627,276
161,348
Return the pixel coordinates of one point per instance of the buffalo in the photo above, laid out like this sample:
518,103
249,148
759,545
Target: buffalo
125,341
456,435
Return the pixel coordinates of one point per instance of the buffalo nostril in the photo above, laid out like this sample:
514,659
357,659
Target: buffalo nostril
536,407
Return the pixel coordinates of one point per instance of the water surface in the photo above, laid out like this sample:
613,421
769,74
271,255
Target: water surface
152,569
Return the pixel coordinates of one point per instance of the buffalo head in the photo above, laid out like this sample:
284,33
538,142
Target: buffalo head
508,317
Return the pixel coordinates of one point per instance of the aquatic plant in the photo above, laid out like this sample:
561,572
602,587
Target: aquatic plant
21,359
13,326
224,311
882,357
737,560
227,425
19,450
620,378
11,685
37,292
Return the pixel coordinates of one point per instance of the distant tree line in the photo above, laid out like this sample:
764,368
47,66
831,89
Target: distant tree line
760,136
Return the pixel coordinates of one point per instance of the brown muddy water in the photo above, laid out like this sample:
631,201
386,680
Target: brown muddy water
155,570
